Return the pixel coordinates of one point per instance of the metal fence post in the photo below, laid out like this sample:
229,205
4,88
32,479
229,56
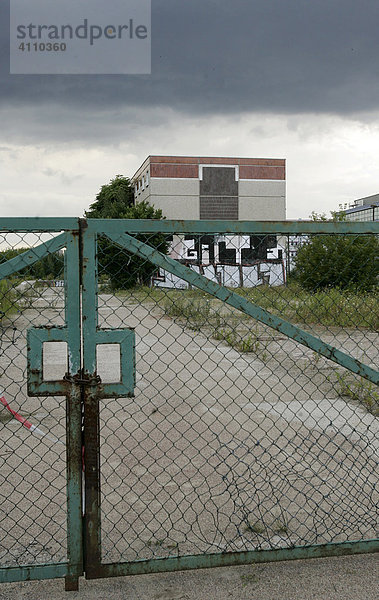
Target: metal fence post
91,405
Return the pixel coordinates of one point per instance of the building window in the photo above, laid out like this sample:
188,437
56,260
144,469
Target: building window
370,213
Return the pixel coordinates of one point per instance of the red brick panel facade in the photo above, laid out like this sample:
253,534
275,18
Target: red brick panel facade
268,162
262,172
173,170
218,160
188,166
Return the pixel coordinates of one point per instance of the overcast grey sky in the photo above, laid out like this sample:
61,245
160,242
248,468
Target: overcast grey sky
294,79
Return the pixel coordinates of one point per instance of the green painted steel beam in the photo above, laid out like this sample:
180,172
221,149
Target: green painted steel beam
73,414
32,255
55,224
203,561
244,305
230,227
92,531
89,300
48,571
37,386
38,224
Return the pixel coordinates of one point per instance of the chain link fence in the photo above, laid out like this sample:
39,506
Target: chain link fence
33,430
239,437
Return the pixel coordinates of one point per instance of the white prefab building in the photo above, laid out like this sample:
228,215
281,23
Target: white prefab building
189,187
219,188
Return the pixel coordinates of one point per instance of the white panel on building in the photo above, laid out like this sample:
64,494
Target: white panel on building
230,275
261,188
262,209
177,207
168,280
175,187
250,276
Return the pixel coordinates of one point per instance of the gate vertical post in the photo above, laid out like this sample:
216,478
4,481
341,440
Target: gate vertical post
91,405
73,415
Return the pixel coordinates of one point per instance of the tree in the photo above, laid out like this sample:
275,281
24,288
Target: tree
335,260
112,200
122,268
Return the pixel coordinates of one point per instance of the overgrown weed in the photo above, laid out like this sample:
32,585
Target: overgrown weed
360,390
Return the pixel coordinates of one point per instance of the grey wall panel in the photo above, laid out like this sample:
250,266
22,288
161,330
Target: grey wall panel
261,189
218,193
177,207
218,207
174,187
262,209
218,181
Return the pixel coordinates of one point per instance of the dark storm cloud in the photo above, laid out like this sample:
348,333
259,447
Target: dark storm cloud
223,56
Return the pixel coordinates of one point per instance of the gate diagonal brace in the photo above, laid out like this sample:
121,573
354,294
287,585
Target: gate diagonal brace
253,310
32,255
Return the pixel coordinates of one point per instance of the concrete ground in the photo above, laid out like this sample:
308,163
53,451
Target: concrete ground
343,578
194,397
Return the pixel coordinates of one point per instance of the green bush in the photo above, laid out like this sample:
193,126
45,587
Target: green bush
338,261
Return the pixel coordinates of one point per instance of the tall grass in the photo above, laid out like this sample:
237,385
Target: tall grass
8,303
358,389
329,308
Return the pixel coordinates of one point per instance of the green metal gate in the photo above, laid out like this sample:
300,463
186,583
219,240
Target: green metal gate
218,427
41,472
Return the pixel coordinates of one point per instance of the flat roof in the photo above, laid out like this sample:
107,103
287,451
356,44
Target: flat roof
362,207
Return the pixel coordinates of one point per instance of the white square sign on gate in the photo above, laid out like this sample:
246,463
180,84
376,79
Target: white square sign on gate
89,37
